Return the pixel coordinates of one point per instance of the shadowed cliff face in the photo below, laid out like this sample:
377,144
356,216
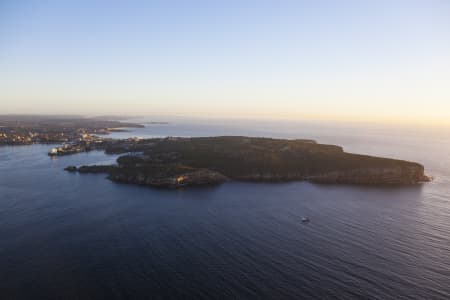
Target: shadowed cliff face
212,160
392,175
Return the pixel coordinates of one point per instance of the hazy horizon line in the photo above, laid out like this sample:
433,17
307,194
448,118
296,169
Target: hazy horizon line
212,117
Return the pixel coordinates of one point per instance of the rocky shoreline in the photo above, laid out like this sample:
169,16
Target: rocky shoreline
178,162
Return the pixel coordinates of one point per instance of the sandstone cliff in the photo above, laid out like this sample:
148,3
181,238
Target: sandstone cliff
176,162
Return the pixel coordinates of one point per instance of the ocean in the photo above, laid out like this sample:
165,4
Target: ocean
81,236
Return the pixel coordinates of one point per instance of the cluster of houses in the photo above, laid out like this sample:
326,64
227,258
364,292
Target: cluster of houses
86,142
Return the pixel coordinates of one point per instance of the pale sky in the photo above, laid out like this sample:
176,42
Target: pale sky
343,60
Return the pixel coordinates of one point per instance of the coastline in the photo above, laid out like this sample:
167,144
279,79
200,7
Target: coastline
179,162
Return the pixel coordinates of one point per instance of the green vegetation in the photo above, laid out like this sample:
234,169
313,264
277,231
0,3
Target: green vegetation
162,162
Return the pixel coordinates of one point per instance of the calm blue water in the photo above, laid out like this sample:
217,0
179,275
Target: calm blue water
71,236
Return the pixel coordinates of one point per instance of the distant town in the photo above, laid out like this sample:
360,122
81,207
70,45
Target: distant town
74,133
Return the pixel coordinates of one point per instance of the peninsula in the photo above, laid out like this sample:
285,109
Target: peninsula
175,162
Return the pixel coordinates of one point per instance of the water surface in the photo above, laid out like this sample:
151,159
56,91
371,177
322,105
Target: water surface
65,235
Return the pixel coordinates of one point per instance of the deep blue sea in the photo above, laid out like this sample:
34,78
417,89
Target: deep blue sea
81,236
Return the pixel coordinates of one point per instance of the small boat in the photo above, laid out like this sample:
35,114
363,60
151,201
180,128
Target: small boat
305,220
